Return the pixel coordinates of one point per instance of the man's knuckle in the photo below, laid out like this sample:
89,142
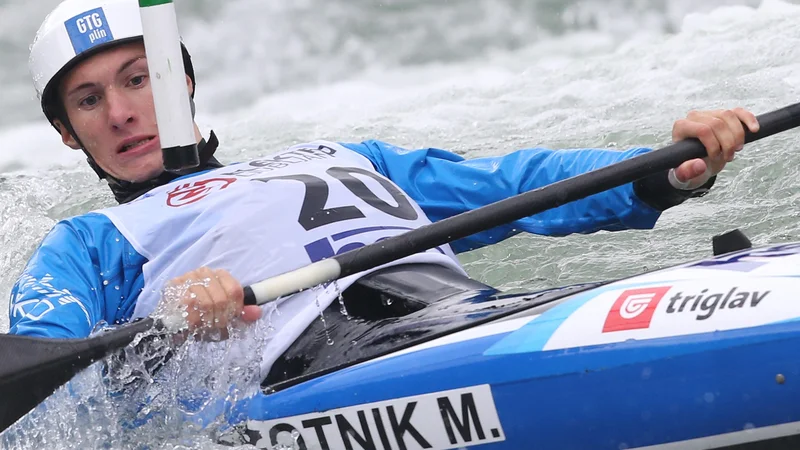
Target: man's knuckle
704,131
718,124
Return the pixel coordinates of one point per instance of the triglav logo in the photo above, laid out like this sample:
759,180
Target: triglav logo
192,192
635,305
634,309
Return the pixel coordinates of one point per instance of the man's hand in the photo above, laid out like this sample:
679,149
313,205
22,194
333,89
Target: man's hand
721,132
213,300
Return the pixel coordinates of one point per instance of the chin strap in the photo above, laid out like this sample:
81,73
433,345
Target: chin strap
100,172
126,191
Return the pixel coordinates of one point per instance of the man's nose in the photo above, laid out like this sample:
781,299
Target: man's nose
120,109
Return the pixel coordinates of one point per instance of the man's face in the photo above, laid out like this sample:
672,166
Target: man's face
109,102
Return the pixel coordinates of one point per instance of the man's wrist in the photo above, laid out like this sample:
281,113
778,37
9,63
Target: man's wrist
660,192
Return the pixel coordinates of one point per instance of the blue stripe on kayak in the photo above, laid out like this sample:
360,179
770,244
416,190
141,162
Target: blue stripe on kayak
535,335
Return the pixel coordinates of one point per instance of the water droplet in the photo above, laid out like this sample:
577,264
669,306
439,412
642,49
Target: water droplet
117,239
193,295
324,323
342,307
105,282
116,287
708,397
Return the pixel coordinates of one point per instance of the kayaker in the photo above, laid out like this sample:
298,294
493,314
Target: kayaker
210,230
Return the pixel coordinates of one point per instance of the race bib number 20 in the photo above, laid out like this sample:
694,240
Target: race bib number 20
313,213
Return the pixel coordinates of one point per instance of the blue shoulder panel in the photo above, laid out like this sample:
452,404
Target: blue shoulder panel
84,272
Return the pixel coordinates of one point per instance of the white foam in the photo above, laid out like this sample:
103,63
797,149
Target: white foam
35,146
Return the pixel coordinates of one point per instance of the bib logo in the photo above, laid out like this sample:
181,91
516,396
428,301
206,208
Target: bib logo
634,309
88,30
193,192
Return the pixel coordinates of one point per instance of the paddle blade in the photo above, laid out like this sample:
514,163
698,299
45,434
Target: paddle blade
31,369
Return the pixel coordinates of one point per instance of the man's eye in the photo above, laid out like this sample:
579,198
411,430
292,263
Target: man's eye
137,80
91,100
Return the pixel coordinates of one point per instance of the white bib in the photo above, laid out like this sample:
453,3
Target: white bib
267,217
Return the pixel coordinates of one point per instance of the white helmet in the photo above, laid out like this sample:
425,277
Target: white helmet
76,30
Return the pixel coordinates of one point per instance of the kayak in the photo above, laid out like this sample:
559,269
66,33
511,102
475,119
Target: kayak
700,355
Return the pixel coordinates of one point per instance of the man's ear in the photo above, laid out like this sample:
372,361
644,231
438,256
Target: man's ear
66,137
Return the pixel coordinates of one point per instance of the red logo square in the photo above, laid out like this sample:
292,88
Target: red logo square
634,309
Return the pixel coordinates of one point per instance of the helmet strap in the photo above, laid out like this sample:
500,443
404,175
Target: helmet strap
68,125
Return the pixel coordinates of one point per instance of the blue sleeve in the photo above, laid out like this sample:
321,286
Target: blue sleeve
82,273
445,184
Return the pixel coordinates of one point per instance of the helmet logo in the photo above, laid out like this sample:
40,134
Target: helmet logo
88,29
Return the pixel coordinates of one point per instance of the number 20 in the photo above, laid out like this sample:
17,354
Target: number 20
313,213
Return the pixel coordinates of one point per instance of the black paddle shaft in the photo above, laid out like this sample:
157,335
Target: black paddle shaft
548,197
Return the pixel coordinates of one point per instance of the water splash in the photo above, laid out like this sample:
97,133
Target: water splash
161,388
288,441
328,338
340,296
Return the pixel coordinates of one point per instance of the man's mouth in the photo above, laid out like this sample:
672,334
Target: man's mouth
134,145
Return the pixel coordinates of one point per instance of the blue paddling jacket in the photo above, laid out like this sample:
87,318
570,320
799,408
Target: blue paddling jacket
59,293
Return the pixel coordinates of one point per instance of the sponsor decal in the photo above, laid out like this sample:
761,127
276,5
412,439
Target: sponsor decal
285,159
88,29
705,303
618,313
634,309
188,193
323,248
442,420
